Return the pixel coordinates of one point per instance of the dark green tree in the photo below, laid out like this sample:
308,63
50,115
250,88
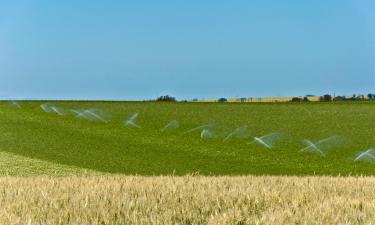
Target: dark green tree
166,98
222,100
325,98
296,99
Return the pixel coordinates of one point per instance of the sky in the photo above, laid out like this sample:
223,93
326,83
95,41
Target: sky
136,50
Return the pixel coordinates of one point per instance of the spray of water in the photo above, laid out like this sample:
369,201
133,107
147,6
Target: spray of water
206,133
57,110
79,113
15,104
240,132
90,114
46,107
174,124
267,140
321,146
131,121
93,115
200,128
368,155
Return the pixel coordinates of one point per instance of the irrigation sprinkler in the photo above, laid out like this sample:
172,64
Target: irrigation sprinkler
200,128
267,140
15,104
319,146
45,107
57,110
89,114
174,124
238,132
207,134
368,155
95,116
79,113
131,121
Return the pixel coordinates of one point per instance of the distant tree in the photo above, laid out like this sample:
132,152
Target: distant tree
296,99
166,98
306,99
340,98
222,100
357,97
325,98
371,96
243,100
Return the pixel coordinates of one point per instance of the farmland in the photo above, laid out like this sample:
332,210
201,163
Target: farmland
35,142
83,162
187,200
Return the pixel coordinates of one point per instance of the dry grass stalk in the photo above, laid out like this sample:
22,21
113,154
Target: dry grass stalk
186,200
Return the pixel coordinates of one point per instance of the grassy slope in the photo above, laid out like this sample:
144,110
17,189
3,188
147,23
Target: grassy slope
17,165
187,200
109,147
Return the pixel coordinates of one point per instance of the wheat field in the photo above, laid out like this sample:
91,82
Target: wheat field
187,200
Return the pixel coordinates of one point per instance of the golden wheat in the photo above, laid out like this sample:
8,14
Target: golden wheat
187,200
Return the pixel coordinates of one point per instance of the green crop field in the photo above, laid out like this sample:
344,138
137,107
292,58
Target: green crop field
35,142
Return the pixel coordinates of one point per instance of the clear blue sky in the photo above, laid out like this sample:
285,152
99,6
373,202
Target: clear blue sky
81,49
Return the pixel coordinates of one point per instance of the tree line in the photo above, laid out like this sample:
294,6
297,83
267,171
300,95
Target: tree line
323,98
330,98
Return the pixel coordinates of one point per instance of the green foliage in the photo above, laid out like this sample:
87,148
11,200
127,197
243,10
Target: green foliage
29,132
296,99
306,99
222,100
326,98
340,98
166,98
